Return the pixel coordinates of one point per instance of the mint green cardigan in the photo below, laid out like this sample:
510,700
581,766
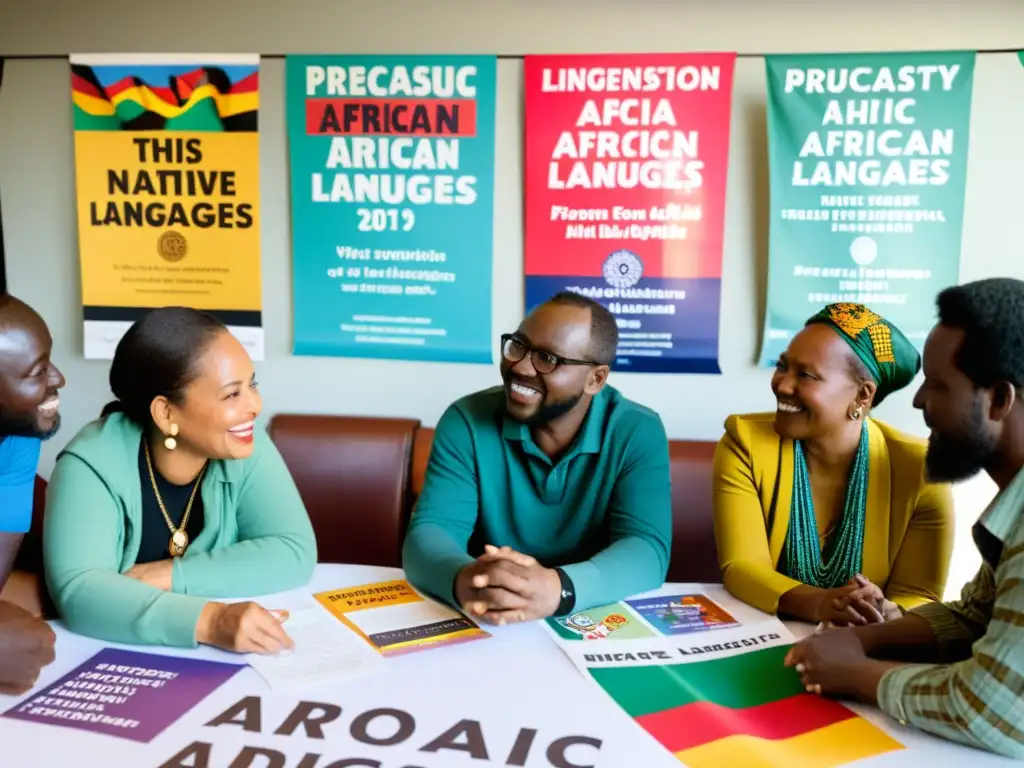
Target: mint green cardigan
256,539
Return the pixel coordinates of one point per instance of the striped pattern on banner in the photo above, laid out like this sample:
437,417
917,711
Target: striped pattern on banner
749,709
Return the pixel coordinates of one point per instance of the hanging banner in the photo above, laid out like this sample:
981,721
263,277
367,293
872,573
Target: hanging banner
720,696
392,168
626,161
167,175
868,156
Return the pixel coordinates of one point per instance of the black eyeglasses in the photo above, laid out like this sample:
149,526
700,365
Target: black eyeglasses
514,350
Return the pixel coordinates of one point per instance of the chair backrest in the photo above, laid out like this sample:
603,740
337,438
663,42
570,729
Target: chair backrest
359,478
30,556
352,474
694,553
421,445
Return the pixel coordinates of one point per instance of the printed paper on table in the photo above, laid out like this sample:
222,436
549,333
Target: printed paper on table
723,697
394,618
324,652
646,617
680,614
127,694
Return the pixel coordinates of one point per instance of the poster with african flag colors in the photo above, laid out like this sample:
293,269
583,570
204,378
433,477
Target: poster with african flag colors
723,697
167,179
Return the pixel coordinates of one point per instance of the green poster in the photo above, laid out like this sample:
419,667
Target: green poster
868,162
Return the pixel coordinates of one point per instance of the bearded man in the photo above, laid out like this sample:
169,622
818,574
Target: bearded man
956,669
550,494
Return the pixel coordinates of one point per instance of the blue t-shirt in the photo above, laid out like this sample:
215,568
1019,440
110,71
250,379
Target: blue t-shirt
19,459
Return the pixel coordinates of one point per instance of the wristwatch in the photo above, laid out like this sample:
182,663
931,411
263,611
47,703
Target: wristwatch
568,594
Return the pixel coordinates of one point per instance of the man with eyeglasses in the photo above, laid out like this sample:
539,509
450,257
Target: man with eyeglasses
551,493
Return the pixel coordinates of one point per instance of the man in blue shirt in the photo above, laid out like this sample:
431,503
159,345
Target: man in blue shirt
29,413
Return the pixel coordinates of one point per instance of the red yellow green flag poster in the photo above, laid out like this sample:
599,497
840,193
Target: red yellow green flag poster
724,698
167,179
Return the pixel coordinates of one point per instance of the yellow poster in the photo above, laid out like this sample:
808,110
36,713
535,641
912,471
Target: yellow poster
167,180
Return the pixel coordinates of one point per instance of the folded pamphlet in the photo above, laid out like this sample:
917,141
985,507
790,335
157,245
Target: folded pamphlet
394,618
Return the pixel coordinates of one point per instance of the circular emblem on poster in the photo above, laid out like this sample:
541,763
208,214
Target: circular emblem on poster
623,269
863,250
172,246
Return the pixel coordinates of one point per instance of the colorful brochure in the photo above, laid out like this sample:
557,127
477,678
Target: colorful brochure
662,615
682,614
394,618
127,694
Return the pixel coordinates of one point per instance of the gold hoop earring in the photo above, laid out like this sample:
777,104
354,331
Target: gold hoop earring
855,416
170,443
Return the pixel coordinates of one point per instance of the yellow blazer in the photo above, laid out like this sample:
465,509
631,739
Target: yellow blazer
908,527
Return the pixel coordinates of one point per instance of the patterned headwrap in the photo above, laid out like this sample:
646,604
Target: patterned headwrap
888,355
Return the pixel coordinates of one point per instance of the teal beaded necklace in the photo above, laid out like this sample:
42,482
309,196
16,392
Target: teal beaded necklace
802,550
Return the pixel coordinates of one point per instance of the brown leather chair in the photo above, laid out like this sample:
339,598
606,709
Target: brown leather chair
421,444
694,553
30,556
352,474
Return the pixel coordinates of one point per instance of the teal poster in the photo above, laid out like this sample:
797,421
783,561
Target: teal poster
868,164
392,172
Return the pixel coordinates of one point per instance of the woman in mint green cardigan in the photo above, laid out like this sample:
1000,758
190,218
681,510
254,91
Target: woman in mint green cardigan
173,498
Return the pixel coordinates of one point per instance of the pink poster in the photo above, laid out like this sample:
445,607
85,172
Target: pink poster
626,160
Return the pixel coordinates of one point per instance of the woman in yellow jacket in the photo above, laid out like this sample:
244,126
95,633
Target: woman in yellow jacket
822,513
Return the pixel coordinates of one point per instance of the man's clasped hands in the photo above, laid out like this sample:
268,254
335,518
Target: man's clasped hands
503,586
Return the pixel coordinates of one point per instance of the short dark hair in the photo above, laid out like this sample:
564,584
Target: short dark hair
991,314
860,375
157,356
604,331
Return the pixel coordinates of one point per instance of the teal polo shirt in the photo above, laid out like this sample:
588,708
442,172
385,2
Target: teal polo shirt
602,511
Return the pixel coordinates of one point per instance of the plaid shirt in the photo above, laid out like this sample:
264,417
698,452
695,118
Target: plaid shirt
977,696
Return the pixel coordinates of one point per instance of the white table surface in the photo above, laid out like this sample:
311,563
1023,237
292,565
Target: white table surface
517,679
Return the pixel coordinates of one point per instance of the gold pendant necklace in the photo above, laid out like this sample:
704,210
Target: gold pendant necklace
179,539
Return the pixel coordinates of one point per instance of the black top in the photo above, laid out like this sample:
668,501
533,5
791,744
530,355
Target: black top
156,536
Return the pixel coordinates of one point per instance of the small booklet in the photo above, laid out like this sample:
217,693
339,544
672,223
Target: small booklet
394,618
682,614
664,615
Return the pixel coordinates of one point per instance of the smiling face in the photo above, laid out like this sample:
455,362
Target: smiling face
29,381
220,405
814,386
540,398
